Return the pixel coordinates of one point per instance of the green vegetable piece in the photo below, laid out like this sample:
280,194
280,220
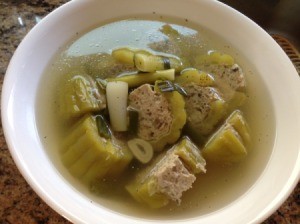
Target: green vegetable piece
168,86
80,95
145,187
133,115
145,61
191,156
194,75
88,156
127,55
152,63
124,55
103,127
237,120
143,78
227,145
214,57
142,195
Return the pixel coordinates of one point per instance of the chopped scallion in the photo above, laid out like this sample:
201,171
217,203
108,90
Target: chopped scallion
168,86
103,127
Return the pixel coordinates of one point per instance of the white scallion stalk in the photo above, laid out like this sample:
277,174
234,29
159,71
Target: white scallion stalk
117,94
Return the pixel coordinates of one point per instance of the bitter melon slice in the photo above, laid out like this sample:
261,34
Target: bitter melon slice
80,95
228,144
91,156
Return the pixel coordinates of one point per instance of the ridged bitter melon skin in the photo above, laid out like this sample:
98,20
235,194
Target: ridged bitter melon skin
228,143
143,187
79,96
88,156
177,105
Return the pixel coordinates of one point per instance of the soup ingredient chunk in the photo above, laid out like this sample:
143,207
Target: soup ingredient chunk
168,86
117,94
88,156
137,79
171,174
151,63
141,149
215,57
228,144
232,75
161,115
194,75
145,61
80,95
228,76
205,108
126,55
155,115
224,69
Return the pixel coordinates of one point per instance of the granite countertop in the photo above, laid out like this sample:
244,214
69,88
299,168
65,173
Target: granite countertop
18,202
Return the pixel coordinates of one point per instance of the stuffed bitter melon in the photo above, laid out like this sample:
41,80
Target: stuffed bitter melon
205,108
177,105
159,127
168,176
88,156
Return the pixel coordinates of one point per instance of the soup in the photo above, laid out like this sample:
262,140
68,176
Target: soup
189,122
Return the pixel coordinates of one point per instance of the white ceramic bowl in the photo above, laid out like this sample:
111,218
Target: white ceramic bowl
281,171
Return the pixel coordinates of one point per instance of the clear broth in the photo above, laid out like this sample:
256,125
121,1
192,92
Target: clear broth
217,188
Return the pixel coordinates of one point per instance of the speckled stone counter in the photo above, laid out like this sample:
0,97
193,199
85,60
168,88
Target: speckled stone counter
18,202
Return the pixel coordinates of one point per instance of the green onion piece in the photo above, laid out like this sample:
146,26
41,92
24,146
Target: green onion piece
180,89
167,63
168,86
133,120
141,149
103,127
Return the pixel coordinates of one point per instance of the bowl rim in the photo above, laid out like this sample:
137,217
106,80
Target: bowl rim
9,123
